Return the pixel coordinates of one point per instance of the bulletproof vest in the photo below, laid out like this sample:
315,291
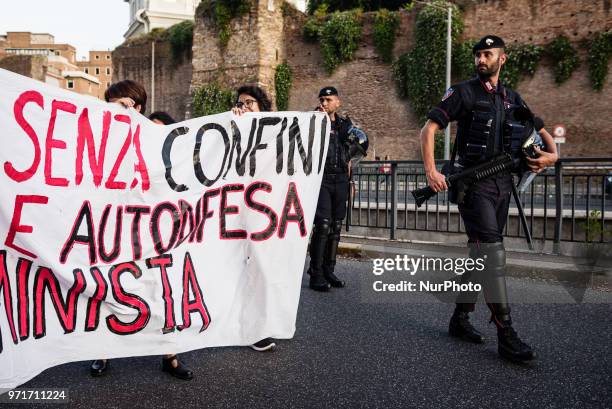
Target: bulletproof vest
337,153
517,127
479,132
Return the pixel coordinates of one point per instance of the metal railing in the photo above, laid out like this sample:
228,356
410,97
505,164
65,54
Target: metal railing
570,202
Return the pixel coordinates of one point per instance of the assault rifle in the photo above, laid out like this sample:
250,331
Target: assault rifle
468,176
498,164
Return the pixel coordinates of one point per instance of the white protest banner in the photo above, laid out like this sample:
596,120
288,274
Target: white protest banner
121,237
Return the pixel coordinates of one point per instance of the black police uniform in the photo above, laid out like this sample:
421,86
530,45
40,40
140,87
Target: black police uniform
331,208
480,111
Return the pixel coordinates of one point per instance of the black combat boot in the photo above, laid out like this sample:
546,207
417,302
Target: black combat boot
461,327
318,244
329,262
510,346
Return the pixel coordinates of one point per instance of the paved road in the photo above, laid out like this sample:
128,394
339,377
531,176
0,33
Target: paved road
353,350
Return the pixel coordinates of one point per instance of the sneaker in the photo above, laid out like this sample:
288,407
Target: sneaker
266,344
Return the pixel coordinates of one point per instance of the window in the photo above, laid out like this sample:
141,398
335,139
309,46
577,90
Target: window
97,71
86,70
108,71
70,84
97,57
57,53
108,57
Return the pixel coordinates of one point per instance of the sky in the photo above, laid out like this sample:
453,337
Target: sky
85,24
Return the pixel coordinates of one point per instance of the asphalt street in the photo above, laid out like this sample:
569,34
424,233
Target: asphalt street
353,349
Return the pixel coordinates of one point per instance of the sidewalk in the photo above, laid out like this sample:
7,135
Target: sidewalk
578,271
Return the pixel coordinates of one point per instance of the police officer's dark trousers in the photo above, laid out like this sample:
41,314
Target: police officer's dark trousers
484,212
331,209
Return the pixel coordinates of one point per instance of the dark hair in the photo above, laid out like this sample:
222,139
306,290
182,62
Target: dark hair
259,94
163,117
129,89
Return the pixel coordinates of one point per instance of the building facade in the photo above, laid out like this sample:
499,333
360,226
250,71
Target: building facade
99,65
146,15
36,55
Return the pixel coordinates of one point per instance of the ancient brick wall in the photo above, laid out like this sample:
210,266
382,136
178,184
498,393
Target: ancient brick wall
262,39
172,78
583,111
256,46
33,66
366,86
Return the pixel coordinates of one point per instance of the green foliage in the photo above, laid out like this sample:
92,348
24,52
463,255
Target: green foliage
599,53
366,5
312,29
211,99
420,73
463,61
314,25
181,39
282,84
593,228
522,60
565,58
222,12
386,24
400,73
340,37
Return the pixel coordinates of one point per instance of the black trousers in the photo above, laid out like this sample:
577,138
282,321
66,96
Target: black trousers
485,209
484,213
332,197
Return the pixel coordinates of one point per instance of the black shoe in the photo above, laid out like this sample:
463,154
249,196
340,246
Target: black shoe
265,345
98,367
460,327
511,347
333,280
181,371
318,283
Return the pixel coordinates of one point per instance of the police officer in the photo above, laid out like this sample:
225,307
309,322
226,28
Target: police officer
331,207
480,106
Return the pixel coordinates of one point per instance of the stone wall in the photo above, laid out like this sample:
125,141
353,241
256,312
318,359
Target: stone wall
366,87
132,60
368,90
267,36
583,111
33,66
256,46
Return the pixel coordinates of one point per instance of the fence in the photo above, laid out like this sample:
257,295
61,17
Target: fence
570,202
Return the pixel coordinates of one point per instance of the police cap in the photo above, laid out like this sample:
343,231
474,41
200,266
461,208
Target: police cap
328,91
487,42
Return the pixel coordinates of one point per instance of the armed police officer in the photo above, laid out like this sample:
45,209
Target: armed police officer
346,142
482,108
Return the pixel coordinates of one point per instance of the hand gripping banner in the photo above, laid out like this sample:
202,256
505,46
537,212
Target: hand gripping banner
121,237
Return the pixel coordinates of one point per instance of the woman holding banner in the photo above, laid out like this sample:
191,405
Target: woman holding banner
252,98
131,94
